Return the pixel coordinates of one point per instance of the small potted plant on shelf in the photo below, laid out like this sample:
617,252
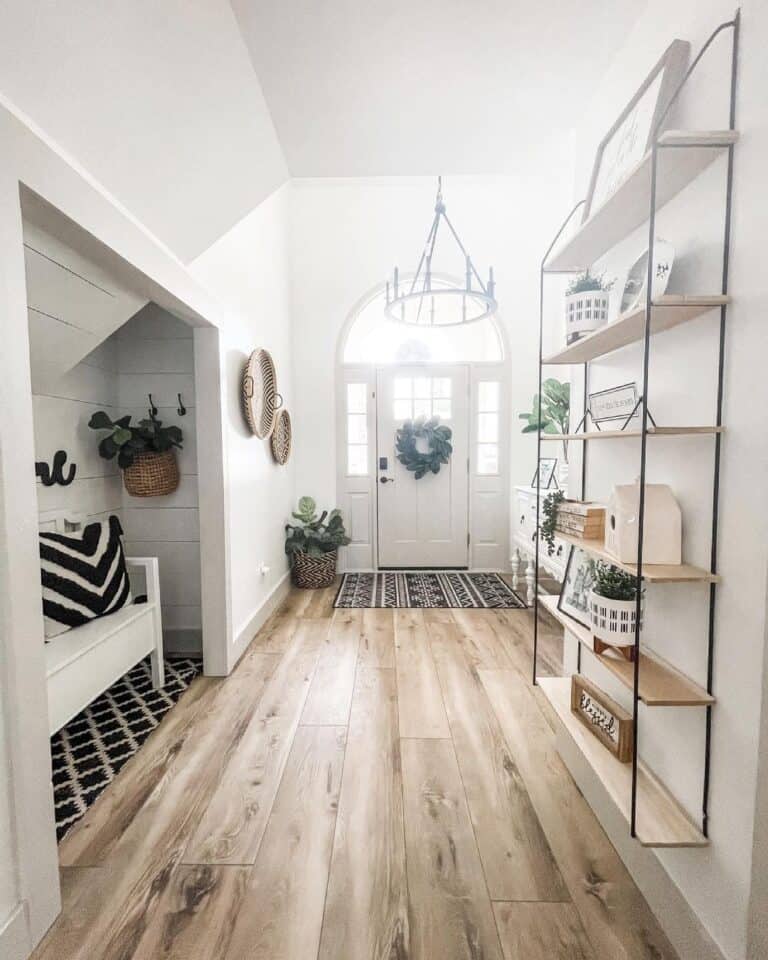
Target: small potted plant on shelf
551,414
145,452
549,508
613,609
313,544
586,305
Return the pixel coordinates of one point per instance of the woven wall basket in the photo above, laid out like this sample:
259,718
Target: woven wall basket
152,475
260,397
281,437
310,573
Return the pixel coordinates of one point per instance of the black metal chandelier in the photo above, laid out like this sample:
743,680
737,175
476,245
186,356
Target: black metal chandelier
414,301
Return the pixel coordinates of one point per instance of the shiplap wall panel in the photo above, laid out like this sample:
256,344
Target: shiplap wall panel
155,355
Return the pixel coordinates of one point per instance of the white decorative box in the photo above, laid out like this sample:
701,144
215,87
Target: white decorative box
663,524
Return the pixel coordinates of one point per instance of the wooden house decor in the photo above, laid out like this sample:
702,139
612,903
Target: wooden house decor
609,722
662,528
581,519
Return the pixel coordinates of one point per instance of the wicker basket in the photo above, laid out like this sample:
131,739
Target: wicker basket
310,573
152,474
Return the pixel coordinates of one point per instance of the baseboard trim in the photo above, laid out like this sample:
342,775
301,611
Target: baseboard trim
686,932
259,617
14,940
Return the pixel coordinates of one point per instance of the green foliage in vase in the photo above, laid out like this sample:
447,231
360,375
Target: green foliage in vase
614,584
126,442
313,534
549,508
585,282
551,414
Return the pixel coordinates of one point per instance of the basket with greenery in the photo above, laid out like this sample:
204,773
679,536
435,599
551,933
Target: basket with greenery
145,452
312,544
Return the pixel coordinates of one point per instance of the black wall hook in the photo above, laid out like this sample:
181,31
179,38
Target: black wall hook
182,410
56,475
152,407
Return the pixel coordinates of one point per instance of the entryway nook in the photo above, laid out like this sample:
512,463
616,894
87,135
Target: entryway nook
383,571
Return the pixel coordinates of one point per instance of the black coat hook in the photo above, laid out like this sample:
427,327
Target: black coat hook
152,407
56,475
182,410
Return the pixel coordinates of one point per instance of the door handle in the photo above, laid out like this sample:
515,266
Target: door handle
386,480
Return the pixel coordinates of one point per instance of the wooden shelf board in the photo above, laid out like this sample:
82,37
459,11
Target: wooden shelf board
627,208
628,434
669,311
660,685
661,821
652,572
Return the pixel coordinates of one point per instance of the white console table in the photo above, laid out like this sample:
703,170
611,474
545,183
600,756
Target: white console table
524,543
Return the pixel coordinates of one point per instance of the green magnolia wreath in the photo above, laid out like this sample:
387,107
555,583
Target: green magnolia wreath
439,446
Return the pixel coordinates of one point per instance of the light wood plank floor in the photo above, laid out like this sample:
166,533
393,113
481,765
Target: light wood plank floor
367,785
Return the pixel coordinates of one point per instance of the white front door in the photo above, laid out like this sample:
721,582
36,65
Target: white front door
425,522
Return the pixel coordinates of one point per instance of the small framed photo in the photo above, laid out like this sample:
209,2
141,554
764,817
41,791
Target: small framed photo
617,403
577,582
545,473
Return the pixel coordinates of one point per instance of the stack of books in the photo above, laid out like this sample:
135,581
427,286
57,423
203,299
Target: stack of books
580,519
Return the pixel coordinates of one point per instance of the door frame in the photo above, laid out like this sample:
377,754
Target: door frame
357,495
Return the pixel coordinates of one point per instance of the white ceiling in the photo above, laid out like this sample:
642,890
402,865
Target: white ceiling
358,88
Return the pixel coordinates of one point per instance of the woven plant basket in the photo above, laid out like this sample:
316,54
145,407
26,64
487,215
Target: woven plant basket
310,573
152,474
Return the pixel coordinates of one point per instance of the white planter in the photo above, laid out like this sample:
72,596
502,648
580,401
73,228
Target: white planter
613,621
585,312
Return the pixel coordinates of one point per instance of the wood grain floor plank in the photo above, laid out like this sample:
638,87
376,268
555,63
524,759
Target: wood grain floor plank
480,642
320,605
90,840
541,931
451,914
516,857
514,629
276,634
420,702
233,824
614,914
197,914
282,909
141,861
377,643
366,914
330,695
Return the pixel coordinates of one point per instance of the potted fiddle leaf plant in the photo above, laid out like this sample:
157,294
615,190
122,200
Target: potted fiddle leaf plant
145,452
613,609
551,414
313,544
586,305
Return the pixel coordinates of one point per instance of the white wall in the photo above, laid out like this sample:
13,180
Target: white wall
155,354
346,237
158,101
248,269
715,880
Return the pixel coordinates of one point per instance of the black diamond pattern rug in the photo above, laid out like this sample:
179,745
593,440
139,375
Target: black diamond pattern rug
90,750
401,589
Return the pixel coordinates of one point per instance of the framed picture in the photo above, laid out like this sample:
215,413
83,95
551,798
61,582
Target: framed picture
617,403
603,717
630,137
547,470
577,582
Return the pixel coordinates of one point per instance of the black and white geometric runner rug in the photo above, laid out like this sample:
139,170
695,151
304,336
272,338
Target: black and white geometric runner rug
407,589
90,750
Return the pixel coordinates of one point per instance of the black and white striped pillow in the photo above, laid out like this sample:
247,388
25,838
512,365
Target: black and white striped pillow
83,575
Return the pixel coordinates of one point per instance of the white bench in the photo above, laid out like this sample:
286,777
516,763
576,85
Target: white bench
83,662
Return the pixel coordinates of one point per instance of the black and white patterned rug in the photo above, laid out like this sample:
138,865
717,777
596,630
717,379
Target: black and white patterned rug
90,750
401,589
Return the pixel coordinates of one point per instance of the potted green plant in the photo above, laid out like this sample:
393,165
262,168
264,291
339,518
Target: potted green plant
552,414
313,544
613,609
549,508
586,305
145,452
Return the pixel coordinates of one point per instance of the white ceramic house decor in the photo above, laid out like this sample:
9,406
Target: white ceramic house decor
585,311
662,540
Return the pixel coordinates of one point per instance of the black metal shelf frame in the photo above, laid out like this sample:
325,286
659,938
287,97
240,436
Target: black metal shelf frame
734,27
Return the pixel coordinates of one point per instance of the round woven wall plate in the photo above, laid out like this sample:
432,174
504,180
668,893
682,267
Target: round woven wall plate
260,396
281,437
